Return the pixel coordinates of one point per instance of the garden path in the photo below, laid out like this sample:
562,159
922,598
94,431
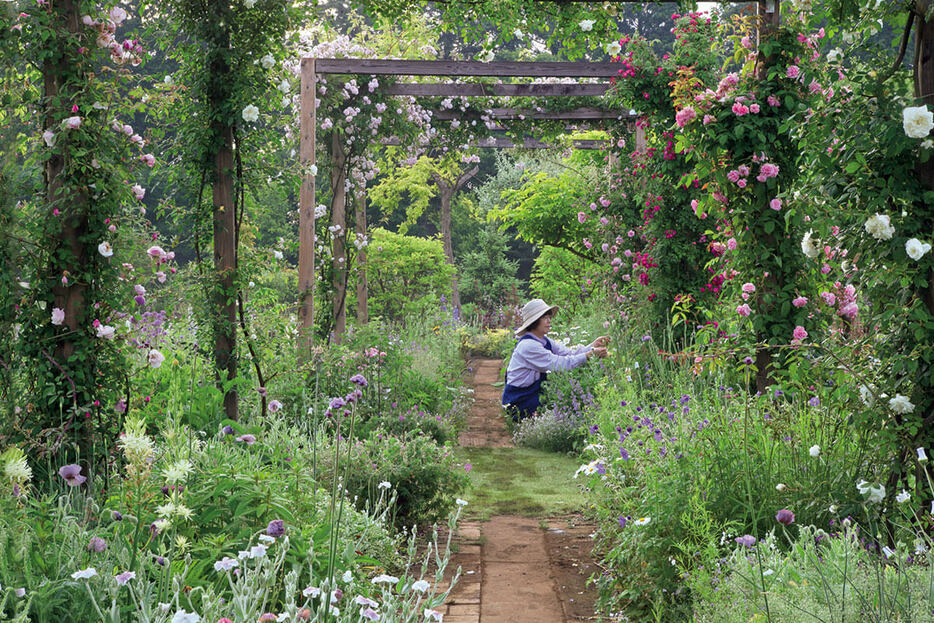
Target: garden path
516,569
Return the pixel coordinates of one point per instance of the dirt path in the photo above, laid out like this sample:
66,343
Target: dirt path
516,569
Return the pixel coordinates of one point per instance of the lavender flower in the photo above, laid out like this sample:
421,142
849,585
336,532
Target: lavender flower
747,540
72,475
276,528
358,379
97,544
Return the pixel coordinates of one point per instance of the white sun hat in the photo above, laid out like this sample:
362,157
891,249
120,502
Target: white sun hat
532,311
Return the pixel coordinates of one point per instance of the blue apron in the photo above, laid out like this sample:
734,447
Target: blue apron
522,402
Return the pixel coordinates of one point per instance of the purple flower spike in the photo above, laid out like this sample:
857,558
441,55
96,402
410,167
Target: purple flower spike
72,474
747,540
97,544
358,379
785,517
276,528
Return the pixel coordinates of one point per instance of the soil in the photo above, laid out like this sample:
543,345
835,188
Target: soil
516,569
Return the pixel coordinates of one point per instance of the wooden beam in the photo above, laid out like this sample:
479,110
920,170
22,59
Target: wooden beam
306,209
527,143
392,67
453,89
578,114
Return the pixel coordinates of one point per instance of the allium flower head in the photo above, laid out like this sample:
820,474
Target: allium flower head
785,517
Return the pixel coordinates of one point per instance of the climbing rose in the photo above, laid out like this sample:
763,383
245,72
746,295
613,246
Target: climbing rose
586,24
901,404
73,123
800,301
685,116
105,249
916,249
799,333
775,204
250,113
793,71
879,227
917,121
58,315
613,48
743,310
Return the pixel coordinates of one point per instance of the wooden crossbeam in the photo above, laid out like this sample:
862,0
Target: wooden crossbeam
391,67
527,143
453,89
578,114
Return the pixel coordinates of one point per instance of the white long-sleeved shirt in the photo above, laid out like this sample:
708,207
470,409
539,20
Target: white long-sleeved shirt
530,359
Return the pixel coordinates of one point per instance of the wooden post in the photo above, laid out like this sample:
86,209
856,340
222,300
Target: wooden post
924,89
641,144
362,285
306,207
339,236
446,191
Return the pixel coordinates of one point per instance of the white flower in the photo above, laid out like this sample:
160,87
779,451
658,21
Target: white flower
155,358
385,579
321,210
917,121
876,493
106,331
461,502
879,227
138,191
384,485
250,113
177,471
257,551
834,55
641,521
226,564
420,586
486,57
311,591
265,538
284,86
277,255
49,137
58,316
313,170
72,123
586,24
901,404
903,497
916,249
808,247
832,509
780,487
268,62
182,616
347,577
887,551
814,450
105,249
866,396
84,574
433,615
613,48
249,3
922,455
17,469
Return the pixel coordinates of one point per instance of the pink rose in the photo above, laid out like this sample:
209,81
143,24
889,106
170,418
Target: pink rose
73,123
733,176
708,119
743,170
731,244
58,316
743,310
740,109
799,333
749,287
775,204
685,116
849,310
793,71
773,101
741,183
138,191
581,217
754,108
799,302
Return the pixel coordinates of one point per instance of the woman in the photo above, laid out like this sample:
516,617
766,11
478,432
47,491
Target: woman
535,355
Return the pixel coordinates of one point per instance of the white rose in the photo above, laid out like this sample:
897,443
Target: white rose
106,331
249,3
586,24
613,48
834,55
916,249
284,86
901,404
917,121
105,249
879,227
250,113
268,62
808,247
486,57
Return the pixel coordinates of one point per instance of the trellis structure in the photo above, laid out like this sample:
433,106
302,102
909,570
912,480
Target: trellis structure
311,68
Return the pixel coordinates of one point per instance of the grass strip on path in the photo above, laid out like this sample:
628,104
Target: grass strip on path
521,481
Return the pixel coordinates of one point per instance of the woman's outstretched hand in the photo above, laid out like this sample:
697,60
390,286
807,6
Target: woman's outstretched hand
600,342
599,351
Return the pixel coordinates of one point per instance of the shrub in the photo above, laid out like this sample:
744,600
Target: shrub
550,431
425,476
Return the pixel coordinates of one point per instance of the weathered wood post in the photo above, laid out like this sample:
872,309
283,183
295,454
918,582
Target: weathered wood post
446,191
338,237
306,208
360,230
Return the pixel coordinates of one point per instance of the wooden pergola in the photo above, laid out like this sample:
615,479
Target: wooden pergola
311,68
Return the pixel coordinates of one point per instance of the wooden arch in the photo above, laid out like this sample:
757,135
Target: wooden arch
311,68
